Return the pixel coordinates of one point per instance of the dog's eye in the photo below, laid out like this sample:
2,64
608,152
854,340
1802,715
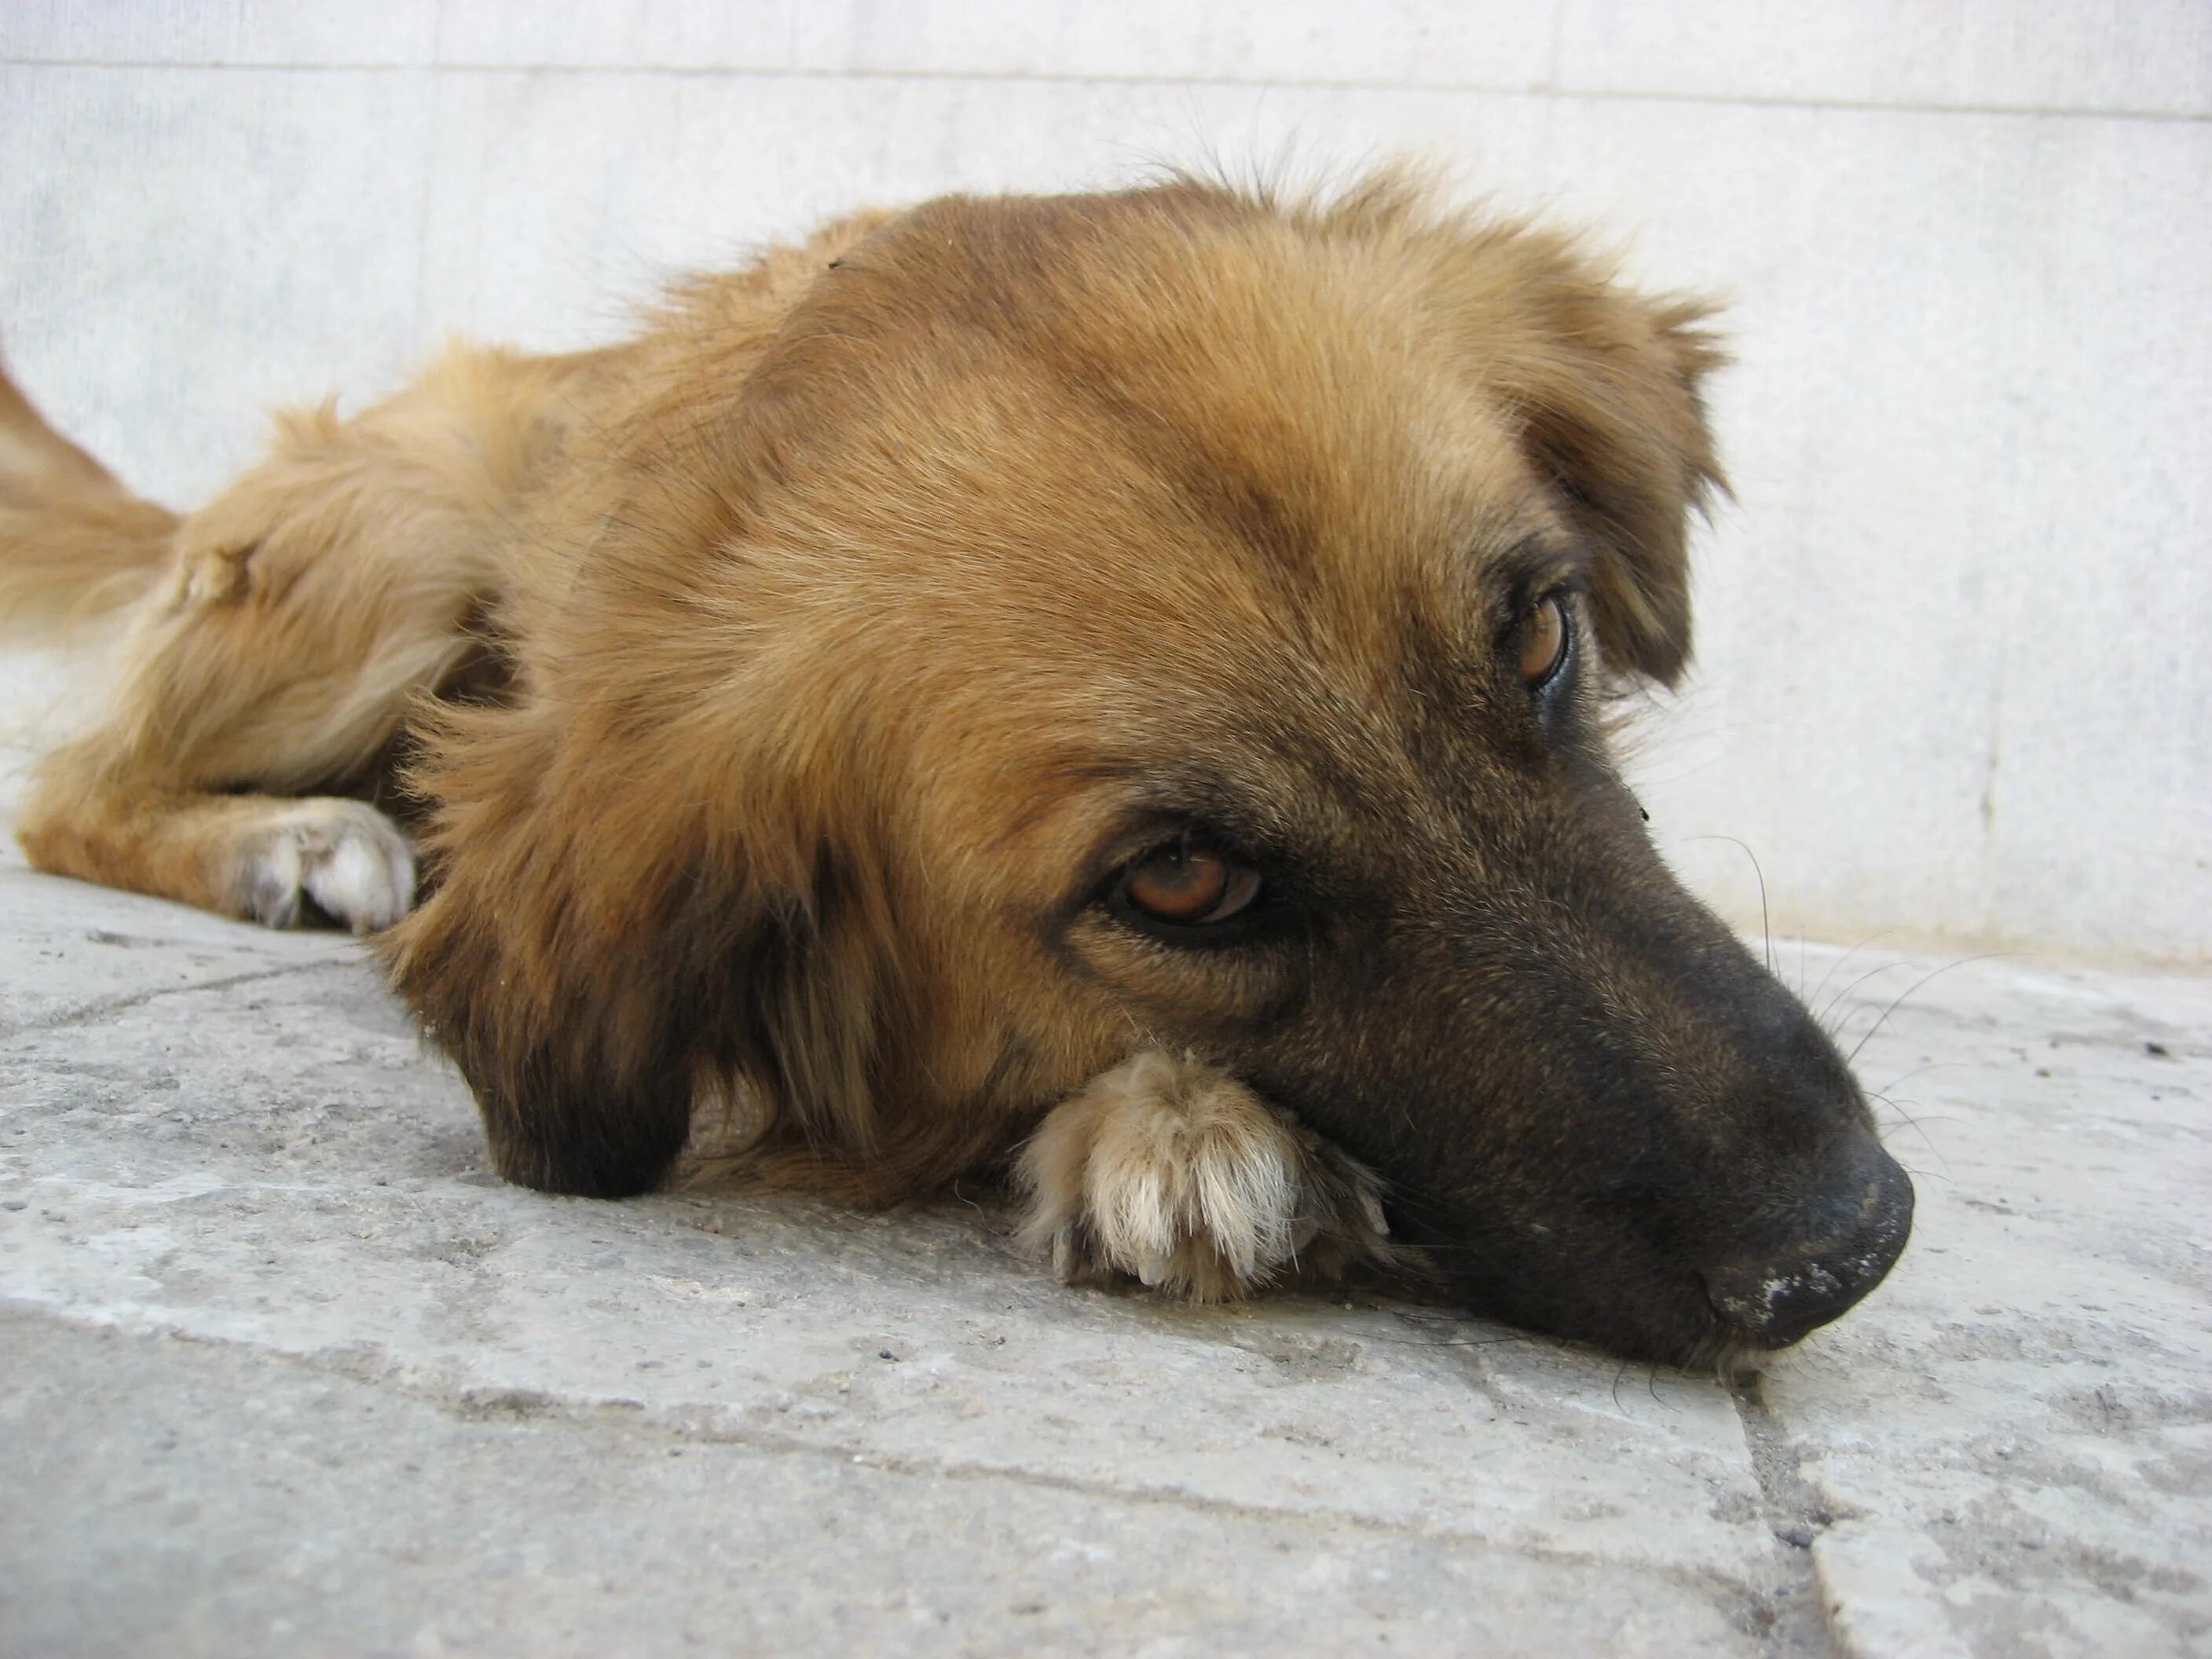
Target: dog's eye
1543,641
1189,887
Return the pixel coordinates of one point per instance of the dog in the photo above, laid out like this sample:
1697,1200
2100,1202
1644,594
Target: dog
1113,686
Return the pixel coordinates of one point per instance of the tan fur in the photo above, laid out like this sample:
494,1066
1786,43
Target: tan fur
754,687
77,542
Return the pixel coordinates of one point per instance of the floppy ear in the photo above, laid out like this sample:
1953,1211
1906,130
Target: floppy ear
1606,385
603,945
1616,420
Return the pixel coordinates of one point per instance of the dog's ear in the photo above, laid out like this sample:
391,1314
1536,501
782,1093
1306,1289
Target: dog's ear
602,946
1606,385
1617,422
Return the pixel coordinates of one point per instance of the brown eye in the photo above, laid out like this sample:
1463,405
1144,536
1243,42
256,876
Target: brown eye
1189,887
1543,641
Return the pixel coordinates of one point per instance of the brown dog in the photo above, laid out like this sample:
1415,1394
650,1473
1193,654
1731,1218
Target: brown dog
1115,676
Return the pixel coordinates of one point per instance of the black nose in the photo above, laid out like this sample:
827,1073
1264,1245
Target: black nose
1840,1252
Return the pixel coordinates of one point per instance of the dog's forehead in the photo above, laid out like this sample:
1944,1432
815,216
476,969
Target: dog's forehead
1174,419
1170,503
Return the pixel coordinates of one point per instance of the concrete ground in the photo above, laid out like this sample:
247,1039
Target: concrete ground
284,1370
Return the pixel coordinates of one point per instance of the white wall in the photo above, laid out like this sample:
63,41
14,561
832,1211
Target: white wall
1956,667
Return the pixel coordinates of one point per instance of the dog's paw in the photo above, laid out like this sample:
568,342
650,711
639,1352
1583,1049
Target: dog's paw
346,856
1169,1171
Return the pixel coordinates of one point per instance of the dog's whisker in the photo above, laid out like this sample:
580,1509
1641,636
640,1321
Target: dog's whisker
1835,1028
1766,928
1921,1070
1919,1174
1813,996
1908,1120
1913,989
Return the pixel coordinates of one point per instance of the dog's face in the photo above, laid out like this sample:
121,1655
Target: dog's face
1166,620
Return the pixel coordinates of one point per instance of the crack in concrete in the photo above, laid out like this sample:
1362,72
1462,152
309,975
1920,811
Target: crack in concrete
1802,1628
89,1013
705,1424
697,1424
1310,81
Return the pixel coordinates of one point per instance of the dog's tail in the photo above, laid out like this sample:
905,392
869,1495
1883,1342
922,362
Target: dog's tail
74,542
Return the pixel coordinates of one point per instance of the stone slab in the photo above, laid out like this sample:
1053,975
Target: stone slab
244,1217
208,1498
2015,1440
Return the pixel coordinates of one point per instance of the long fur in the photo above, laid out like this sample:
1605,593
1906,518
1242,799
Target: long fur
725,682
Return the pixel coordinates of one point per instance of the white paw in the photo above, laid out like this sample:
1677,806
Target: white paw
1169,1171
345,855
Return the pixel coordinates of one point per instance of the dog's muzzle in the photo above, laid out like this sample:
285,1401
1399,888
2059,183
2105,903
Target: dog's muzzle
1839,1250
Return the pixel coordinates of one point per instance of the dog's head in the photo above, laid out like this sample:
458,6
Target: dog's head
1173,619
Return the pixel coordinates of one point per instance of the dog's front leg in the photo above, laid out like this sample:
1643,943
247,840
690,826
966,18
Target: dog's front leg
1169,1170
